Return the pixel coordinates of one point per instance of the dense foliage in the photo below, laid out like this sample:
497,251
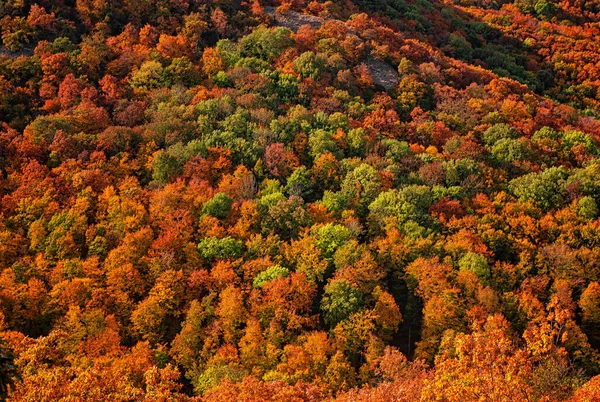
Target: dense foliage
371,200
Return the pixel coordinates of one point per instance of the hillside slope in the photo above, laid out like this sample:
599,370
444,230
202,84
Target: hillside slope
378,200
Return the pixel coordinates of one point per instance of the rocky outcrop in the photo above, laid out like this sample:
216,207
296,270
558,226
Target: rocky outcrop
383,74
292,19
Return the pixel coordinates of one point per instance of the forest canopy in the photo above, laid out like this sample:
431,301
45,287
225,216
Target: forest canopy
370,200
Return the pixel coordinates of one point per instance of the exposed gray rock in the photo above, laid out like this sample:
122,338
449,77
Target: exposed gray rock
383,74
23,52
292,19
